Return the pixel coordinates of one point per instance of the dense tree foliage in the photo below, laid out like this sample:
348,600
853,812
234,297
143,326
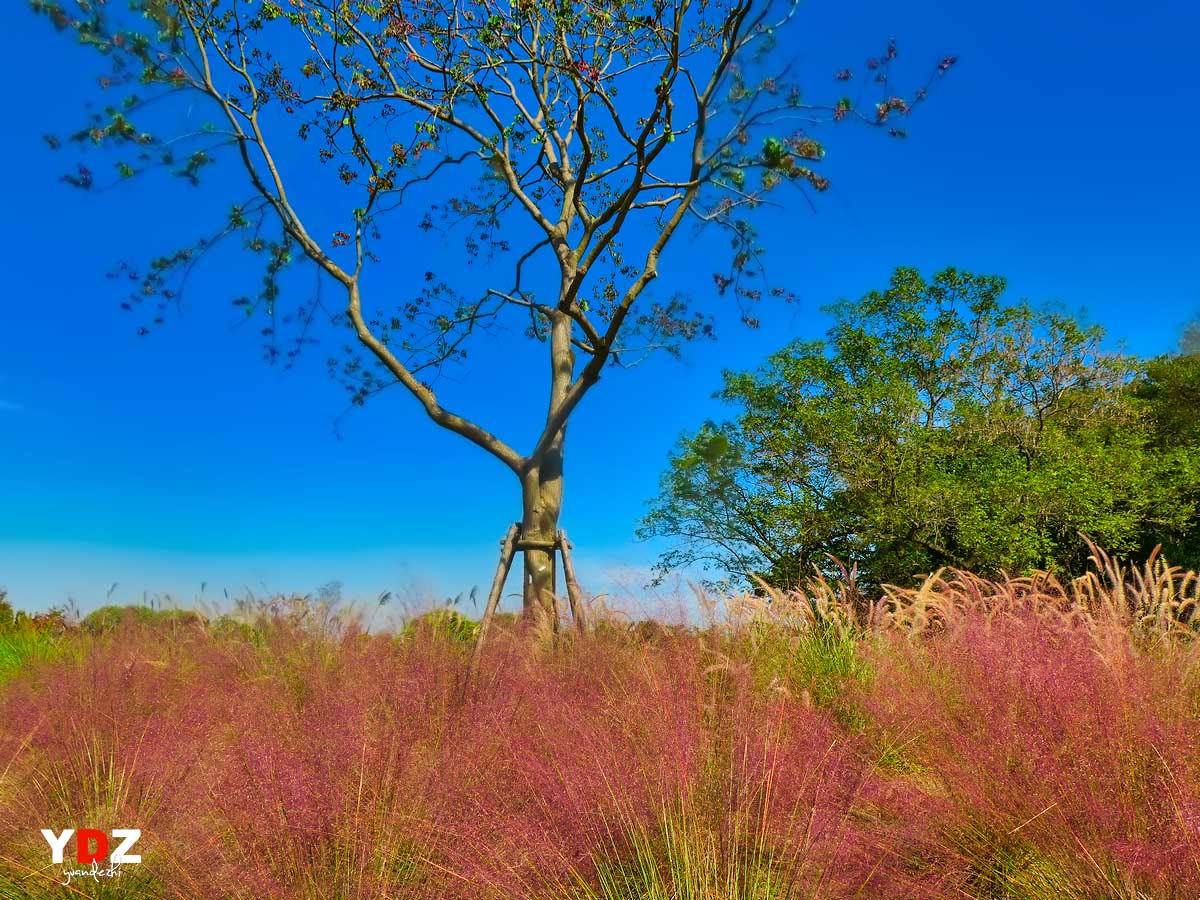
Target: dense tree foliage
934,426
1169,394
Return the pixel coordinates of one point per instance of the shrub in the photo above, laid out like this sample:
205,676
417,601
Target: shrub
443,622
107,618
27,640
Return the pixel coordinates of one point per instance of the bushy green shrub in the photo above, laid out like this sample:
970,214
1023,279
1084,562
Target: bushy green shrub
443,622
26,638
107,618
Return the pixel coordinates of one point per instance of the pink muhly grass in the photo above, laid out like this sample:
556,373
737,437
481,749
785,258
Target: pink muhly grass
621,769
557,746
98,742
321,781
1053,748
826,816
980,749
292,770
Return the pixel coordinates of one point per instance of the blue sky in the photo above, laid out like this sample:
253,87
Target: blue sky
1061,153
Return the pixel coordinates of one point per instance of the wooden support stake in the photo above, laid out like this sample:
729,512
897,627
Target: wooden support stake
574,596
508,549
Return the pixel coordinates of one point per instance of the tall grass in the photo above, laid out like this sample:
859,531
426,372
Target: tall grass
25,646
1015,740
26,641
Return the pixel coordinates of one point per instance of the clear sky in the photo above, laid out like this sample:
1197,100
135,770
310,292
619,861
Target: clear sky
1062,152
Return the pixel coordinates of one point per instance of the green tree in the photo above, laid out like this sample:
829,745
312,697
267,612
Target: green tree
934,426
571,139
1169,394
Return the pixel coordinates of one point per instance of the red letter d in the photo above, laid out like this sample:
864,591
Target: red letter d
83,838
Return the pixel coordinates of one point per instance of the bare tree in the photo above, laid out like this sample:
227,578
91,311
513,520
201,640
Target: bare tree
573,139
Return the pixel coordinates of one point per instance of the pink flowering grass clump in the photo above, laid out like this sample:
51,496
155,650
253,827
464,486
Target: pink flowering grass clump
322,781
1062,755
98,741
556,744
810,805
619,767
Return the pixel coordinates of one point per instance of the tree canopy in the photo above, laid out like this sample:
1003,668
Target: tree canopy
934,426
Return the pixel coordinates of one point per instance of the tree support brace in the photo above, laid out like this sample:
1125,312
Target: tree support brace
509,545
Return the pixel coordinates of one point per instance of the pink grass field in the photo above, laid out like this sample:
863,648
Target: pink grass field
1023,740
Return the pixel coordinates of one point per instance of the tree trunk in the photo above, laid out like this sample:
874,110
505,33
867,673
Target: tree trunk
541,496
542,483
